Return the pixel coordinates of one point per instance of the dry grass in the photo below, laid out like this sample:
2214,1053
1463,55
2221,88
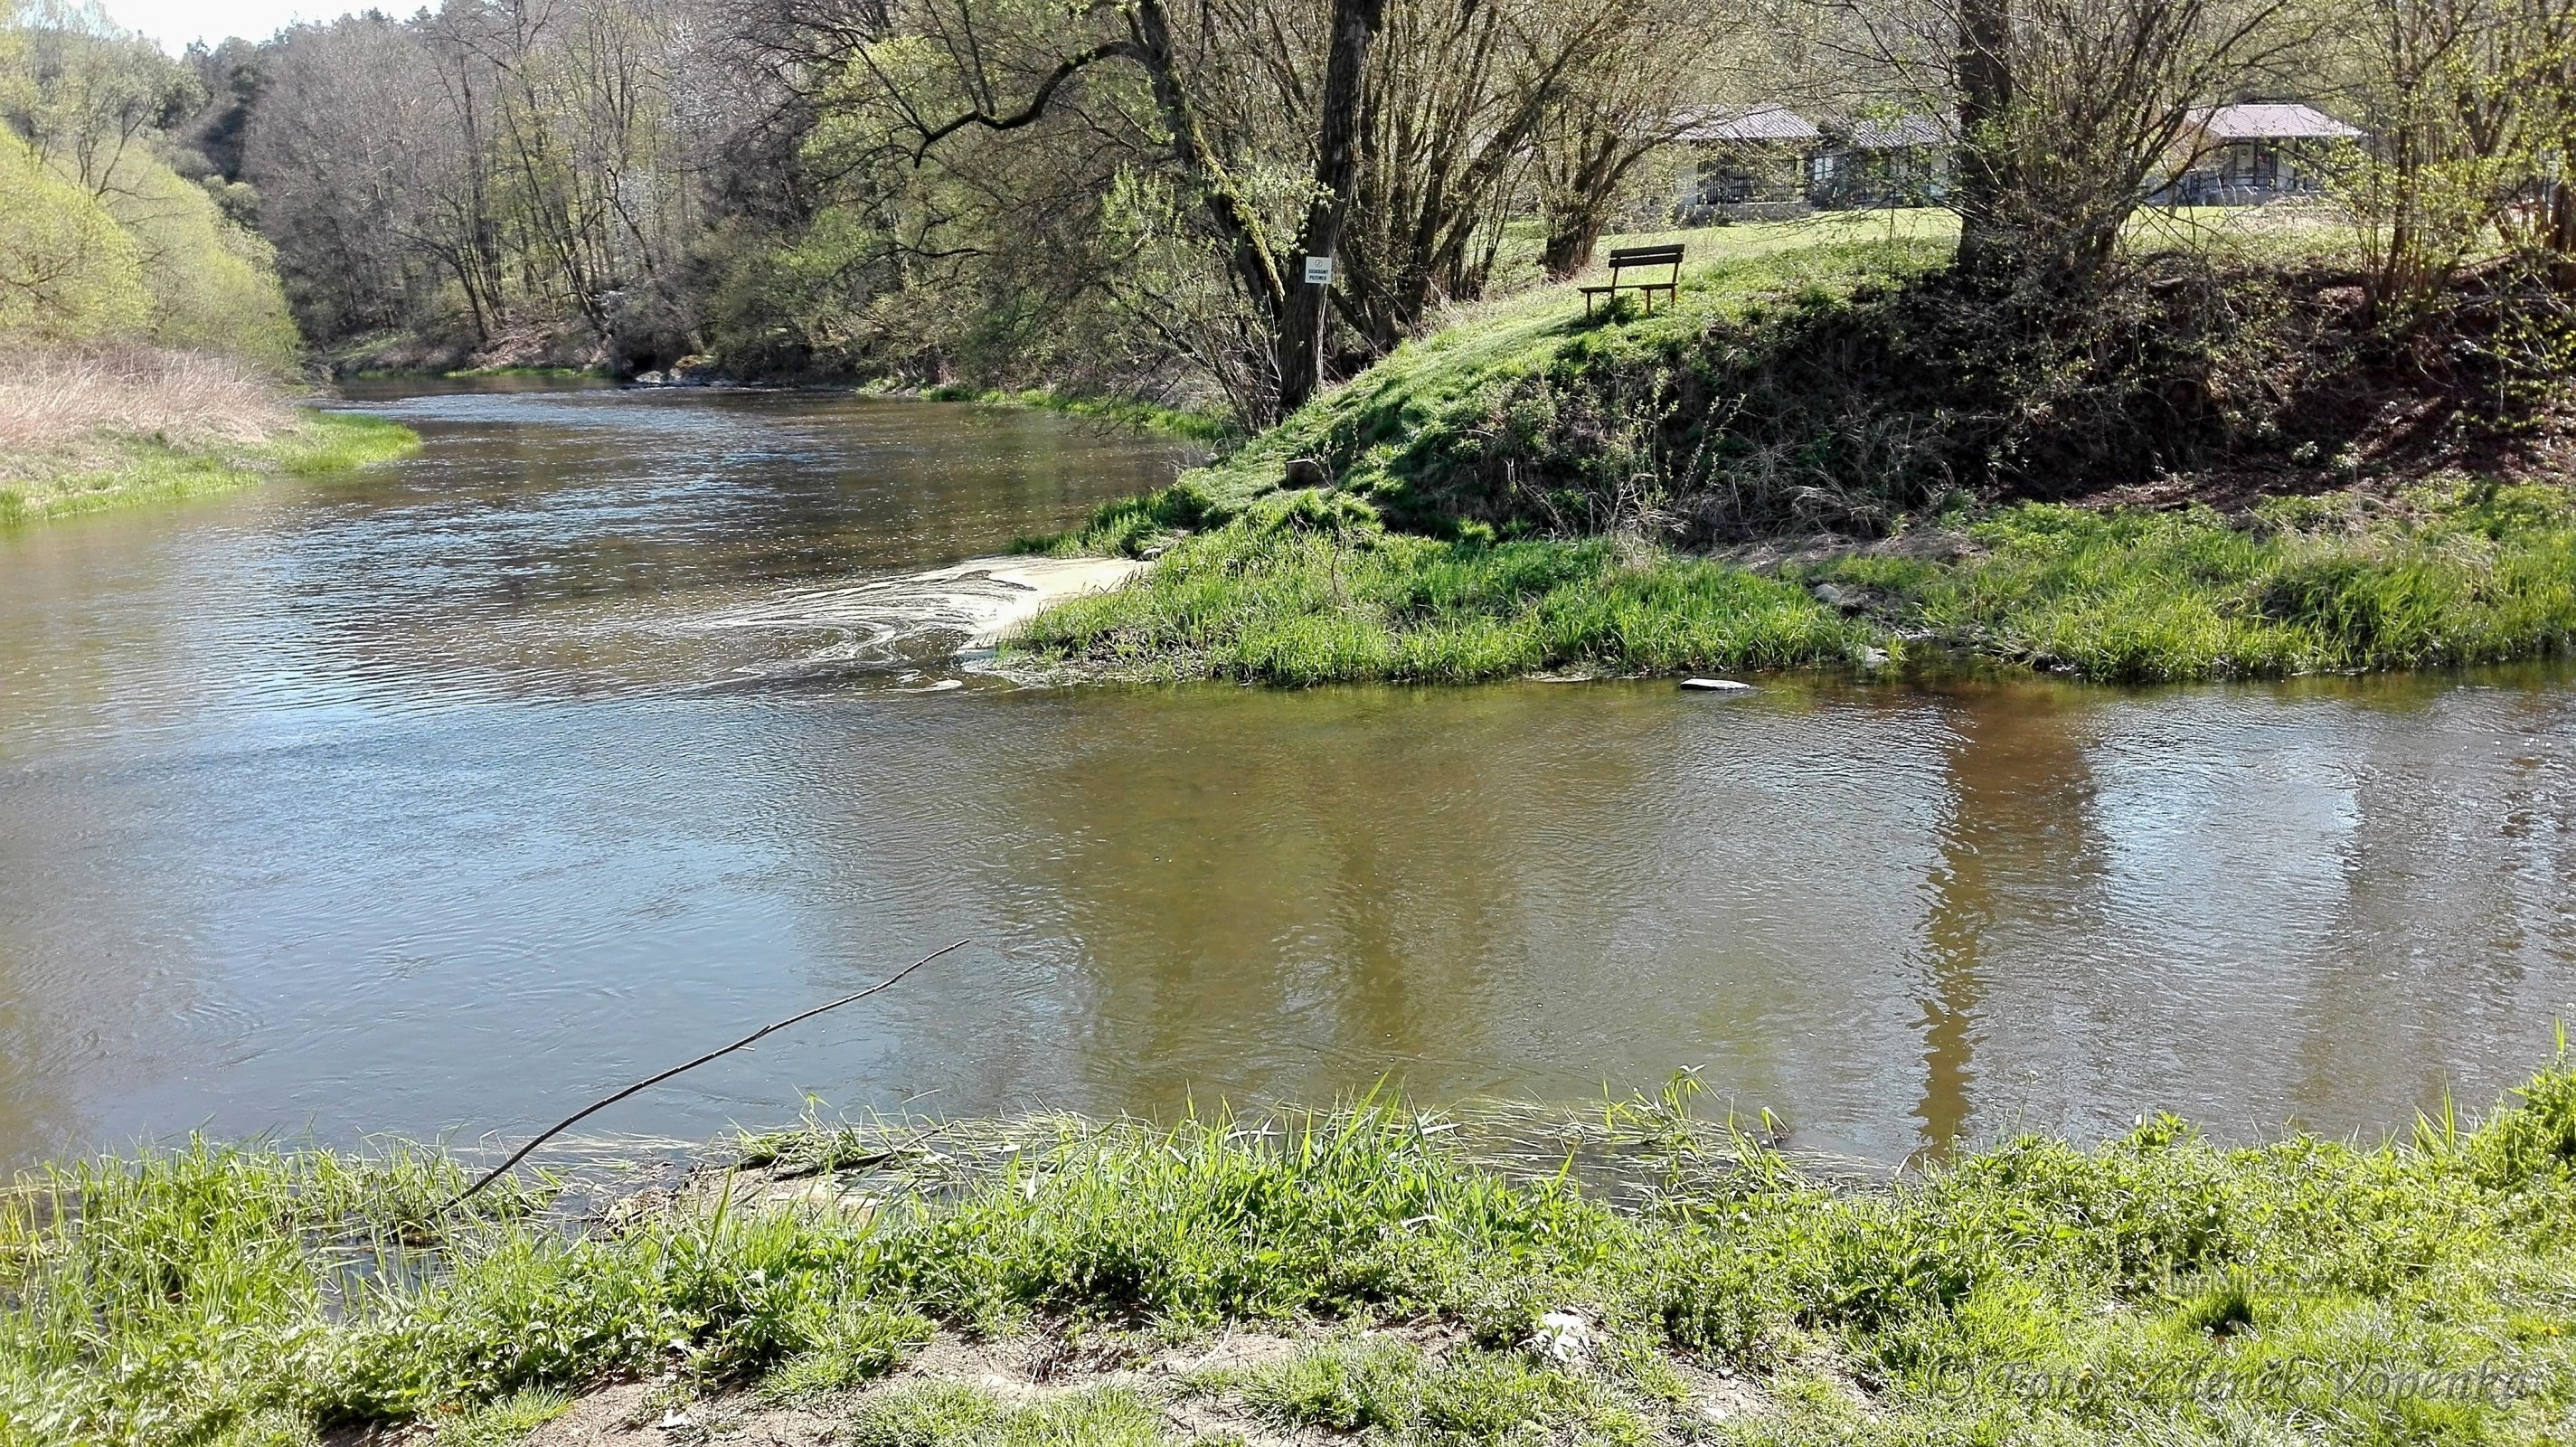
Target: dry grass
82,430
56,402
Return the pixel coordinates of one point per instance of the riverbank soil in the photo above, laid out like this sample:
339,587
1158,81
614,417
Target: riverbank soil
1825,454
91,429
1642,1276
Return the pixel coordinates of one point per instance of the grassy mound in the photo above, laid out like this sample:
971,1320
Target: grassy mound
1451,513
2154,1288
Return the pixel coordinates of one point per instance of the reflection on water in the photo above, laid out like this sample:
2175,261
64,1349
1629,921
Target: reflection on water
424,803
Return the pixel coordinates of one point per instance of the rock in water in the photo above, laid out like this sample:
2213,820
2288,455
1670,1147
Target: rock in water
1717,685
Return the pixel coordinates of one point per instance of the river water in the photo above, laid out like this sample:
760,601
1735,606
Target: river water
438,800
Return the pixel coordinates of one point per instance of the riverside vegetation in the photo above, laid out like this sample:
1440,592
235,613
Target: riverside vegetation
150,349
85,430
1793,466
1400,1289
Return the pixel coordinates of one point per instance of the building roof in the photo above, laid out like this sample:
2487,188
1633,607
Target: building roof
1894,134
2271,123
1762,123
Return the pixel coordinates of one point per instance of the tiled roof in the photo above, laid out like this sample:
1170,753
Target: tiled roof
2272,123
1887,135
1762,123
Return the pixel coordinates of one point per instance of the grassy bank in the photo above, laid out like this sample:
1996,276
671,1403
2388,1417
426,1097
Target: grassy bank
85,431
1316,590
1312,589
1174,422
1528,491
861,1287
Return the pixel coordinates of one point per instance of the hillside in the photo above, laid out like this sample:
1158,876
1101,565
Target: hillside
1825,454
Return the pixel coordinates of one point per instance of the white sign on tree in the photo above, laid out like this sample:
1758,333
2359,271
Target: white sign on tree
1319,271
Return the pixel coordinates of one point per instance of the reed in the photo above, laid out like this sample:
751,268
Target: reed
52,399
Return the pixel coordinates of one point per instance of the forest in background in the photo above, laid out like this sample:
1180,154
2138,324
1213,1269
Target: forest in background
1115,198
150,348
1112,197
113,228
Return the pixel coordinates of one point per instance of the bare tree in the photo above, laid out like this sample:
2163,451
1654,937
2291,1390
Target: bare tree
2070,111
1627,101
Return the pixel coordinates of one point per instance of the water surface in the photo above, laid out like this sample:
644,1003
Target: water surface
441,799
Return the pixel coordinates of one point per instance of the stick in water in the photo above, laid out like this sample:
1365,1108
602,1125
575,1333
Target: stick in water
594,1108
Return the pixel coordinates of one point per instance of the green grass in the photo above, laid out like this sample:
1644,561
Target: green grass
2448,577
2153,1288
1420,409
1391,1390
1317,591
952,1414
1311,588
1428,556
1412,416
1162,421
149,469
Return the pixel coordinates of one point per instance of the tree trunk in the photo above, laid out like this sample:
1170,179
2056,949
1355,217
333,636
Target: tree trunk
1301,323
1569,245
2562,233
1989,239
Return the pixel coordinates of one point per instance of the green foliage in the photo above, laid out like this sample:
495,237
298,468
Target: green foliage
849,1345
2460,576
1130,527
505,1423
1311,588
1348,1384
947,1414
100,239
213,285
68,272
1389,1391
1813,385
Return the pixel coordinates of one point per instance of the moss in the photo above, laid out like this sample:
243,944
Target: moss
148,469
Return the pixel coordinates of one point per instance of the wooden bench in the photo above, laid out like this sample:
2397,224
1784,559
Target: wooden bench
1639,258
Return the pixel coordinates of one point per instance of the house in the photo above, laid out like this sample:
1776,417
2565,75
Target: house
1748,165
2246,155
1898,161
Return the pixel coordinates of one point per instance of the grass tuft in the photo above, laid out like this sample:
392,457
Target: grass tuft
1311,589
2157,1287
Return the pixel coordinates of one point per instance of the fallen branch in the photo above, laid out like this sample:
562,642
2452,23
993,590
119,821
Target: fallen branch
595,1107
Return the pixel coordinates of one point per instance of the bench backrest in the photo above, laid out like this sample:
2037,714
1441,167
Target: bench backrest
1628,256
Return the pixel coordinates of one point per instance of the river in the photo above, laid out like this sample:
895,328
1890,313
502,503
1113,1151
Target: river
437,800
